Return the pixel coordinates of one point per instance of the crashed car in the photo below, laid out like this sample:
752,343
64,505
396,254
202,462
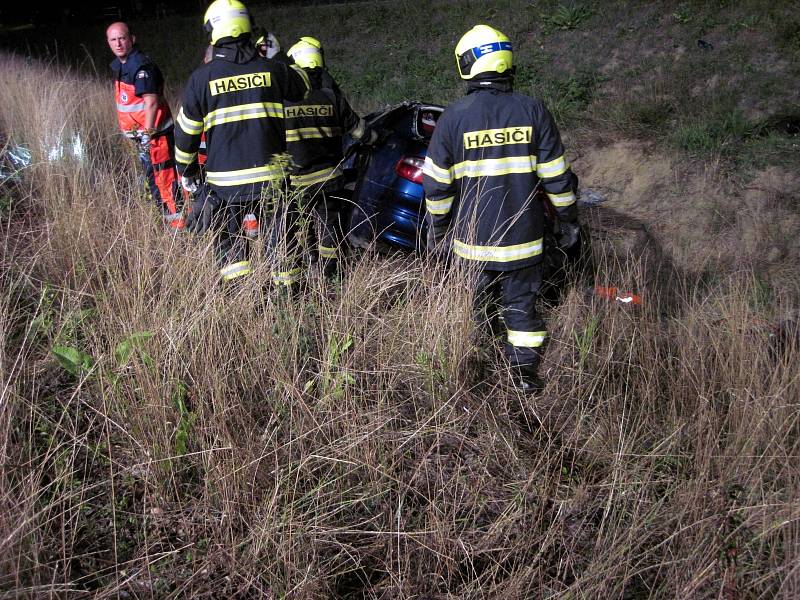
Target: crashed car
387,205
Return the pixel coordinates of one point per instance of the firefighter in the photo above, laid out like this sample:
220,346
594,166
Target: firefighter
237,100
145,118
489,153
314,130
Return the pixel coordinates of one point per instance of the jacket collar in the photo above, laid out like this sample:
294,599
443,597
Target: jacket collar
235,51
494,84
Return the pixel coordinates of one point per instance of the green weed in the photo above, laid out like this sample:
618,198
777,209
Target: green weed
565,17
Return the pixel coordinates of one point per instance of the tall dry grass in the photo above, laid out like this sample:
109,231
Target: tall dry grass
358,441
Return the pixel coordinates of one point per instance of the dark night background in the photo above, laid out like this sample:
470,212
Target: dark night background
14,15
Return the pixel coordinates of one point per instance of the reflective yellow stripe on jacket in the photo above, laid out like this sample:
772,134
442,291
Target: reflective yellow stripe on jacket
434,171
439,207
312,133
553,168
498,253
242,112
185,158
564,199
189,126
316,176
490,167
244,176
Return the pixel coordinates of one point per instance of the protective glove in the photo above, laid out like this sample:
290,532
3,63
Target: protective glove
190,184
204,208
568,235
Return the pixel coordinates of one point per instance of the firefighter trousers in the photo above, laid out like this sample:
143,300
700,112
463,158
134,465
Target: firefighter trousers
506,301
231,243
325,231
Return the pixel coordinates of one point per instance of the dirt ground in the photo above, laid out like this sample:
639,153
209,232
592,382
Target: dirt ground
697,216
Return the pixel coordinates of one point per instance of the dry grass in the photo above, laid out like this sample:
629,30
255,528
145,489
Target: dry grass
354,441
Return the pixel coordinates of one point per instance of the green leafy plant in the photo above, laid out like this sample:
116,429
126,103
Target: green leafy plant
134,343
585,339
186,419
72,360
566,17
338,377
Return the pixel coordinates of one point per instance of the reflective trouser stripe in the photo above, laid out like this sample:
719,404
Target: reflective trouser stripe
498,253
526,339
326,252
235,270
285,277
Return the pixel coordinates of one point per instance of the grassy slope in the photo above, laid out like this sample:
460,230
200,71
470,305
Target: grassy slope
357,443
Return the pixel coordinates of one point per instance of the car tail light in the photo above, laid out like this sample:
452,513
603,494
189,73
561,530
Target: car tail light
410,167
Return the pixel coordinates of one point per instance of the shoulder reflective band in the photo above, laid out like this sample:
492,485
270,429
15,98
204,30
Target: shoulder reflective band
326,252
470,57
502,254
526,339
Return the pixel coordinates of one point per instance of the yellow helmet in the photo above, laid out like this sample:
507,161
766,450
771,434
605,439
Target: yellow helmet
226,19
483,49
307,53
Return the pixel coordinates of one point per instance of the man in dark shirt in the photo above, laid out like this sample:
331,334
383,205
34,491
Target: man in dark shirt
145,118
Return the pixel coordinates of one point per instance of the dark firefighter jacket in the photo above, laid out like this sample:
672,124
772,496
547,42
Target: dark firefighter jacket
314,130
487,155
237,100
134,78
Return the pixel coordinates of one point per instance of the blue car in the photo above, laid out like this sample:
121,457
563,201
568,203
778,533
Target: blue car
387,206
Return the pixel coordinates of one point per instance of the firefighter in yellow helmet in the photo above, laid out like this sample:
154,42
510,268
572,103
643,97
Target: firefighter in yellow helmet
314,130
237,99
491,152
